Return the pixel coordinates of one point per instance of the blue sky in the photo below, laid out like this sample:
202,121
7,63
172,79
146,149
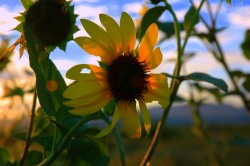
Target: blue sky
235,17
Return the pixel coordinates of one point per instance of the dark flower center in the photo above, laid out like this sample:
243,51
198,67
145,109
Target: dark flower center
127,78
49,21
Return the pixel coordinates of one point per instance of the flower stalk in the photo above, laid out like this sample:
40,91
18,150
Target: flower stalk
219,53
199,131
28,137
174,84
58,150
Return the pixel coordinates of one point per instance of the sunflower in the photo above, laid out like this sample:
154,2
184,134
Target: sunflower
52,21
124,74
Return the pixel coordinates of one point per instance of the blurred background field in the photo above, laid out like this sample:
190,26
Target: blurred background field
178,146
227,127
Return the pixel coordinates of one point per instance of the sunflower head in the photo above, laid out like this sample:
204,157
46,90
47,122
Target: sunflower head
52,21
126,76
155,2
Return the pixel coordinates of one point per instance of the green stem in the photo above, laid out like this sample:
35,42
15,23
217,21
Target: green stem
178,37
28,139
174,88
159,130
174,84
190,30
65,139
217,12
201,134
220,56
224,64
210,12
118,139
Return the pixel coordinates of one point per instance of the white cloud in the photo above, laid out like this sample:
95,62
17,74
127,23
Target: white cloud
132,8
240,17
173,1
229,37
93,60
81,1
18,62
64,64
7,21
237,61
180,14
202,62
90,11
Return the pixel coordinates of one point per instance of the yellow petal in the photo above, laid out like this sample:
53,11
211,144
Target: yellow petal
145,116
98,34
104,131
92,107
148,42
85,100
96,73
113,31
158,90
119,112
81,89
131,121
154,59
128,32
93,47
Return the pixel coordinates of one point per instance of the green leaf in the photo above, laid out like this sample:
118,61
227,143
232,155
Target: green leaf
246,83
219,83
42,127
110,107
103,65
179,98
238,73
43,131
239,140
50,86
85,150
34,158
187,56
63,46
231,93
4,156
213,91
26,3
150,17
229,2
15,92
168,28
198,86
117,137
245,45
20,18
19,28
191,18
210,36
49,82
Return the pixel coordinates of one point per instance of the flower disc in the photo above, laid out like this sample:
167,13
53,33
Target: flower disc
50,21
127,78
